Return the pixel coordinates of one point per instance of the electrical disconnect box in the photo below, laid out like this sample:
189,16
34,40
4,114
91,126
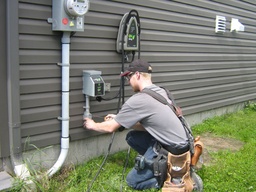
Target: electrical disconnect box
68,15
93,84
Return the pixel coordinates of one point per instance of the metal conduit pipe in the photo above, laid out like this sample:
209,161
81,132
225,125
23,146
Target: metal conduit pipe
65,104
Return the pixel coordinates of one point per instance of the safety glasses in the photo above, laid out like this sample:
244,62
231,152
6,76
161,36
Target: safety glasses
129,76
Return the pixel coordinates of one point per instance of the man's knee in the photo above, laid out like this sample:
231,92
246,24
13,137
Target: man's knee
130,182
148,184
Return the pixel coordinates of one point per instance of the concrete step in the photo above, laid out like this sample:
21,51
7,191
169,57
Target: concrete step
5,181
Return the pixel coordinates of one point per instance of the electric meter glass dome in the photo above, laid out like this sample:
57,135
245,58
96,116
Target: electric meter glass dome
77,7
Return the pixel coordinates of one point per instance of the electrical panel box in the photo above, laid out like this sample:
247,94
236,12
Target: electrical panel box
68,15
93,84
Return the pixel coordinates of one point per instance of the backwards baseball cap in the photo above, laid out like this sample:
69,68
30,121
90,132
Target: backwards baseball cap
138,65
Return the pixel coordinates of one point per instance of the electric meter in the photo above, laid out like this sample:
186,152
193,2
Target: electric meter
68,15
77,7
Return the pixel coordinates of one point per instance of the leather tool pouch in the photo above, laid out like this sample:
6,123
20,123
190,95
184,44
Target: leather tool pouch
178,174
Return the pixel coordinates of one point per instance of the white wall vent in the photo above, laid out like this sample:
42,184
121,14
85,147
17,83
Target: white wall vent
220,24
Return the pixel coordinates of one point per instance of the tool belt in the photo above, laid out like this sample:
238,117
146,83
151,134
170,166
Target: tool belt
177,177
172,171
161,162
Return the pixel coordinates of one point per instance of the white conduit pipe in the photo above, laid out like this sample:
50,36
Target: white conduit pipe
65,104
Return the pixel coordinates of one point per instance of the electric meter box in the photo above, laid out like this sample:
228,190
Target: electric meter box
93,84
68,15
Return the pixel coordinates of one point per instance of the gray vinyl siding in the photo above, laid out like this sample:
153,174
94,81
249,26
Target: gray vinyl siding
204,70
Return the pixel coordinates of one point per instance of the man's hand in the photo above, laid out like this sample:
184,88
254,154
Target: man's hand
89,124
107,126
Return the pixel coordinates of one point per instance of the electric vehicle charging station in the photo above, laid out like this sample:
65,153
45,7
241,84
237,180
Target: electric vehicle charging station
129,28
128,40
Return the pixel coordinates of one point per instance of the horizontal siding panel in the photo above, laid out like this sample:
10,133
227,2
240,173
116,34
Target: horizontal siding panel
52,85
40,127
188,66
181,84
217,104
35,11
102,19
170,6
39,114
54,138
238,4
39,56
53,112
48,85
40,86
213,97
75,57
54,126
188,57
211,5
99,32
202,74
35,42
249,2
202,9
28,26
37,2
40,71
87,44
196,39
195,48
213,89
43,99
54,98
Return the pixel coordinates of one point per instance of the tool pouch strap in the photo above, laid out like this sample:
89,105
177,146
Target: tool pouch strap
160,164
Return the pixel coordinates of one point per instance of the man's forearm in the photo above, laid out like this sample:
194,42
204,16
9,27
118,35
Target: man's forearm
104,127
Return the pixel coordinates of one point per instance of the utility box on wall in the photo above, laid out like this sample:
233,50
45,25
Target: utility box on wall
93,84
68,15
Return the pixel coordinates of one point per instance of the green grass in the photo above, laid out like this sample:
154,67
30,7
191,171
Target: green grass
231,172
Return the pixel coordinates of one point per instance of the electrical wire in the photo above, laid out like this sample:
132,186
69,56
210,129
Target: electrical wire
99,98
125,166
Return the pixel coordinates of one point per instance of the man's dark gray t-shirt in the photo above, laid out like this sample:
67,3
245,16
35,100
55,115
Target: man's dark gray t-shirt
158,119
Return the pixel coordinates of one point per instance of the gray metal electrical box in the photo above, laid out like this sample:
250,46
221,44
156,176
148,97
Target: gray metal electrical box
93,84
68,15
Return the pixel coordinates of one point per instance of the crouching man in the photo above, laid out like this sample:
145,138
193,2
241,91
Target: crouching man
153,123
